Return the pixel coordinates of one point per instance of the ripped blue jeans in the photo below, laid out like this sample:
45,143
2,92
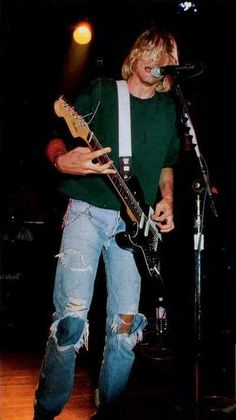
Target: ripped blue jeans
88,232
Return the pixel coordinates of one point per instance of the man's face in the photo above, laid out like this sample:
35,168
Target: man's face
143,65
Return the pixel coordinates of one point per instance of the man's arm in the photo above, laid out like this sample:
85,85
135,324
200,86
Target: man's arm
163,214
78,161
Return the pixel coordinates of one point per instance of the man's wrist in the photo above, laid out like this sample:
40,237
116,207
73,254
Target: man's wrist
168,198
56,161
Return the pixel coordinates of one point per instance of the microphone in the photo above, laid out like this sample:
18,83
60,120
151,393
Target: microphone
172,70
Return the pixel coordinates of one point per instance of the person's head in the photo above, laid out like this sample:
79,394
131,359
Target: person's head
156,48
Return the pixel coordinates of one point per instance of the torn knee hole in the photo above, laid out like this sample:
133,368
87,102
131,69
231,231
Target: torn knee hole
69,330
126,323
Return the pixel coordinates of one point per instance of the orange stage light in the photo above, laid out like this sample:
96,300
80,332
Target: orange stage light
82,33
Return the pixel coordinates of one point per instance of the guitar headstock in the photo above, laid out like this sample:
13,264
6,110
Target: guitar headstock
77,126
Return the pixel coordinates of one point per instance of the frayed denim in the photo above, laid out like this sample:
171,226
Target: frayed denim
89,231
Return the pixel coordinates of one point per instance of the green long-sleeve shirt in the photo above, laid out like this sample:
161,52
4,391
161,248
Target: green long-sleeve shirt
155,143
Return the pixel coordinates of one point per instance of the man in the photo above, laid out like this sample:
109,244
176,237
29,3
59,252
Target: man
93,219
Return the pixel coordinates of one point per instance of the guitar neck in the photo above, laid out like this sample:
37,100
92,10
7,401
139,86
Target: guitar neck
117,181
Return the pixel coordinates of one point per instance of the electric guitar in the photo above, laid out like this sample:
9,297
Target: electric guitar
142,236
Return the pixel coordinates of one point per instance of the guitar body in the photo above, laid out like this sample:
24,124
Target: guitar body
143,247
138,238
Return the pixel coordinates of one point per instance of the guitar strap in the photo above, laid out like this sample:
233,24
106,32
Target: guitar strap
124,133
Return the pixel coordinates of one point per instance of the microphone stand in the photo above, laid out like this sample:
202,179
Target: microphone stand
198,248
201,161
200,185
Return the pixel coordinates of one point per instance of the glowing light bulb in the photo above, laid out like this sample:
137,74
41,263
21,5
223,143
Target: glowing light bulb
82,33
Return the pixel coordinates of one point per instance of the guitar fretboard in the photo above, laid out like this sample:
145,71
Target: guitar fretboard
118,182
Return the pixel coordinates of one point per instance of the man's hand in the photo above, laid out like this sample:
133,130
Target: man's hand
80,161
163,215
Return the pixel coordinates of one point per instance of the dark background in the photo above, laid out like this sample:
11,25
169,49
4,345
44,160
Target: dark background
35,39
34,45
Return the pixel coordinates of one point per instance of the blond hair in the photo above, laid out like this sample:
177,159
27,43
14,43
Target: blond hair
162,46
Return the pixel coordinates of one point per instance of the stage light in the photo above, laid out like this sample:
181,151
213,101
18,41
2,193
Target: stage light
82,34
187,6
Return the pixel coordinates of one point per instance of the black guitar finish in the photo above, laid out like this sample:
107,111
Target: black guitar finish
142,238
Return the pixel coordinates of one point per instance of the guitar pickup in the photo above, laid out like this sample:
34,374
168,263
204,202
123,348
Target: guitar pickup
146,230
141,221
149,221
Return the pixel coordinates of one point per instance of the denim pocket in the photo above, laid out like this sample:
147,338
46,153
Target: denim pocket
74,210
